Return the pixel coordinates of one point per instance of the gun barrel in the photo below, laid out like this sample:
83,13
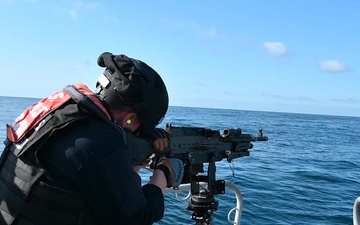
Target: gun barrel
232,132
261,138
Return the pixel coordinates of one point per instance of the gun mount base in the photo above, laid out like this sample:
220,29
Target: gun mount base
233,219
202,206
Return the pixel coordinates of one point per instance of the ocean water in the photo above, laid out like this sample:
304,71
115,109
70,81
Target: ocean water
307,173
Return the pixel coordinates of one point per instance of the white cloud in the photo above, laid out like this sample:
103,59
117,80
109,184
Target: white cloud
297,98
13,1
111,18
190,25
86,5
199,83
56,64
275,48
72,13
332,66
77,7
347,100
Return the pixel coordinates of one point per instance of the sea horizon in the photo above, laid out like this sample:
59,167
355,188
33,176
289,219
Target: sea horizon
248,110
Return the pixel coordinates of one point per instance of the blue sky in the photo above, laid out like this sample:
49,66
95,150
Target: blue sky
280,55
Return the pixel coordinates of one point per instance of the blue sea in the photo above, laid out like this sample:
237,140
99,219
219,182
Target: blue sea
307,173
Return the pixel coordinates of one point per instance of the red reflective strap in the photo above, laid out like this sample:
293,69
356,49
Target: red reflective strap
34,114
10,133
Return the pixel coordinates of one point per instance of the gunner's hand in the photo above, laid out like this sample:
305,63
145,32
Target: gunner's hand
173,170
160,139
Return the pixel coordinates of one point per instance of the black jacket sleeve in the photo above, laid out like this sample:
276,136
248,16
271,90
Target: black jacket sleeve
94,157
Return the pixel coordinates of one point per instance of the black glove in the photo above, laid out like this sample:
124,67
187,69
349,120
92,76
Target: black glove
160,139
159,133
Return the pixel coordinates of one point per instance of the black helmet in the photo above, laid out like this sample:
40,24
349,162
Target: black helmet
131,82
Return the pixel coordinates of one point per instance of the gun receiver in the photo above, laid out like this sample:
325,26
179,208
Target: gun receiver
198,145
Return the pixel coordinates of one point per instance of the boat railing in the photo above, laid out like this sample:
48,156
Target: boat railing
239,202
356,212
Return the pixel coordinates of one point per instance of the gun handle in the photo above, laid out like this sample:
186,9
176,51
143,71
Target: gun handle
140,148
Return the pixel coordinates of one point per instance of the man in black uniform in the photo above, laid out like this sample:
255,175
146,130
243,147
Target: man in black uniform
66,160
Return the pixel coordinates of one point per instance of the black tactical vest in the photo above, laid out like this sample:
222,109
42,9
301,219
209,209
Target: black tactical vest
28,196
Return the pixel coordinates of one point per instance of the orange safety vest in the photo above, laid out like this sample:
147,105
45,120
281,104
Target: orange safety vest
31,118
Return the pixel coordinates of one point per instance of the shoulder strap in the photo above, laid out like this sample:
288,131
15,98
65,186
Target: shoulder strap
85,102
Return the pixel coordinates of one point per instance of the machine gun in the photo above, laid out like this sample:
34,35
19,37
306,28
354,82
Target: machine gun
196,146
